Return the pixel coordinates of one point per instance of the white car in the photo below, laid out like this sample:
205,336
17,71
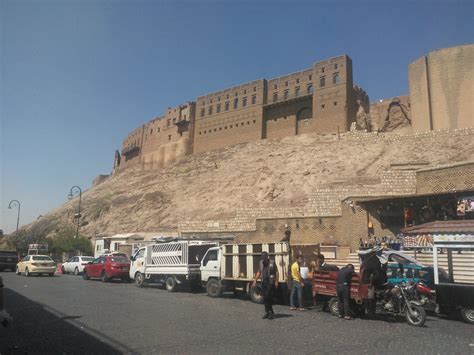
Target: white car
76,264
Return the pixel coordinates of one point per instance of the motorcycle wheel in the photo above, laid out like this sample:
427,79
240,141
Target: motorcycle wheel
417,316
333,306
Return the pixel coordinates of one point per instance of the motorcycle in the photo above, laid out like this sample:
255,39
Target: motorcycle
425,295
400,300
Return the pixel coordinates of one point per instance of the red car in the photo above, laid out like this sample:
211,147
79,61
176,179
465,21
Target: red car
107,267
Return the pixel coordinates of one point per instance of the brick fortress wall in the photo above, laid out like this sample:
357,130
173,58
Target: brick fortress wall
441,89
321,99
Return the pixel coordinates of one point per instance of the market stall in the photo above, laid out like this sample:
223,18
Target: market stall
452,237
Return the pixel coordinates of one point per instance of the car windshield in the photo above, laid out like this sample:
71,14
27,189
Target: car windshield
87,258
118,259
42,258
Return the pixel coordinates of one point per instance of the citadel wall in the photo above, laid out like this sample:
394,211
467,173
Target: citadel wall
162,141
321,99
230,116
441,89
389,114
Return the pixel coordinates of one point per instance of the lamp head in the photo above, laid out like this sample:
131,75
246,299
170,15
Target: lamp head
69,197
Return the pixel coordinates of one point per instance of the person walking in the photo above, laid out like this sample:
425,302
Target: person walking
268,273
297,284
343,288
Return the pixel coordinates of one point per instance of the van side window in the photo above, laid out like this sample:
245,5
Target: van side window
141,253
210,256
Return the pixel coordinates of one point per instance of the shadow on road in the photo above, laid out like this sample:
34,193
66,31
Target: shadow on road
38,329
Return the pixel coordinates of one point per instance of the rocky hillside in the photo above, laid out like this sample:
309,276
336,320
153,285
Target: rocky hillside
266,173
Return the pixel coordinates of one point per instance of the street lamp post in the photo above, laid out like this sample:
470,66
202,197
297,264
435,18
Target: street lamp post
18,204
76,190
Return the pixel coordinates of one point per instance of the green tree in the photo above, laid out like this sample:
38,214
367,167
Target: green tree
64,241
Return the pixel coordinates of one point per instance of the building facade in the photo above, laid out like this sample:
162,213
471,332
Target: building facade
321,99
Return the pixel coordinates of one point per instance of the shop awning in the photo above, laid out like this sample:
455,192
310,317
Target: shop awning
442,227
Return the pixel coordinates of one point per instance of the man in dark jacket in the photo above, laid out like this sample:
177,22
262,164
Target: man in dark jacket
343,288
268,273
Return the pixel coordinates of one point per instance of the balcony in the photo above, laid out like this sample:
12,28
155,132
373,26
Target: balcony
289,98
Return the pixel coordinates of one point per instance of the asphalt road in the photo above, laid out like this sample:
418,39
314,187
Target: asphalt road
65,314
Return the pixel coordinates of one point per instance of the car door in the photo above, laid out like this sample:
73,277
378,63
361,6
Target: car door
94,268
74,263
21,264
67,264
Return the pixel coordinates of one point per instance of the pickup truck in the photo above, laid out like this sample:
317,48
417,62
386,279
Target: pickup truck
169,263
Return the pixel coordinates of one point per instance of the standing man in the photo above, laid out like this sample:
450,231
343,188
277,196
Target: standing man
297,284
268,273
343,288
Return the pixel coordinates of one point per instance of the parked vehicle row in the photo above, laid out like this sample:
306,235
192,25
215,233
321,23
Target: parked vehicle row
388,280
217,268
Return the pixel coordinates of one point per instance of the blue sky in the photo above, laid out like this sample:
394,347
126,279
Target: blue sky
77,76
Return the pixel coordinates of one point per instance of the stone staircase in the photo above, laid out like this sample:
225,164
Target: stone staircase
463,264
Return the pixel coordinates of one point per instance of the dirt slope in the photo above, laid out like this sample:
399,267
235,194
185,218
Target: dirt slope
265,173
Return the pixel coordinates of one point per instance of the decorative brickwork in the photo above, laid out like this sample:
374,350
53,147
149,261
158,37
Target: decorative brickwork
456,177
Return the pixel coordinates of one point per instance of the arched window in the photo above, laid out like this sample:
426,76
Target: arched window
310,89
322,81
335,78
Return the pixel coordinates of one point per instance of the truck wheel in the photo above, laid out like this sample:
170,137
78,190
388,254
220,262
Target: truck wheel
467,315
214,288
256,294
139,279
171,284
333,306
415,315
